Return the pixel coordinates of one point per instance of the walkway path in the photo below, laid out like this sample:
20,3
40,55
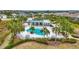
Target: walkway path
6,42
73,37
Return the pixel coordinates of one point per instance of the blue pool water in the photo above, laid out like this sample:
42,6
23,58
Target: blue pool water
37,31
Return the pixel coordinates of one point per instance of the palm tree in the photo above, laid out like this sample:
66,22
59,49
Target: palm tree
63,26
45,30
56,31
32,28
15,26
0,20
66,26
62,22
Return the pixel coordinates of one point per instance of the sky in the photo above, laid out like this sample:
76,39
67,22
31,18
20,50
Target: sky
39,4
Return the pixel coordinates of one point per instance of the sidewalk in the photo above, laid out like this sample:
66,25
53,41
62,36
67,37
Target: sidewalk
6,42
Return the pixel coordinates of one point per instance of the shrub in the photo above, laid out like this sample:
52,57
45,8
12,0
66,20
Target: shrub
43,40
11,45
68,40
63,40
71,40
55,39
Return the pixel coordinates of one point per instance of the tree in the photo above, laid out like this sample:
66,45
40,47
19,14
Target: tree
65,26
22,18
15,26
45,30
8,12
32,28
0,20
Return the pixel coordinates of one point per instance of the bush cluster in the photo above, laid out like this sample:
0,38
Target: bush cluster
68,40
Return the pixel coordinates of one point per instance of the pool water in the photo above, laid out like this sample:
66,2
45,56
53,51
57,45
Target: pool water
37,31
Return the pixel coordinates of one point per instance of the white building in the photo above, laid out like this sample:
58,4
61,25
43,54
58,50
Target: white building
2,16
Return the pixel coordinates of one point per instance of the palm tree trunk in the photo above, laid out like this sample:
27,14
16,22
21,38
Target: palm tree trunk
13,37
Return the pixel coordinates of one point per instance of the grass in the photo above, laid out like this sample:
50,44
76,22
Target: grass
75,25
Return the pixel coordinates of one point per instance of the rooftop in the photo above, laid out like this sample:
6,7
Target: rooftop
36,20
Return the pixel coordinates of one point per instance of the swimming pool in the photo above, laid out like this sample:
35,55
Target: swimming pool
37,31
